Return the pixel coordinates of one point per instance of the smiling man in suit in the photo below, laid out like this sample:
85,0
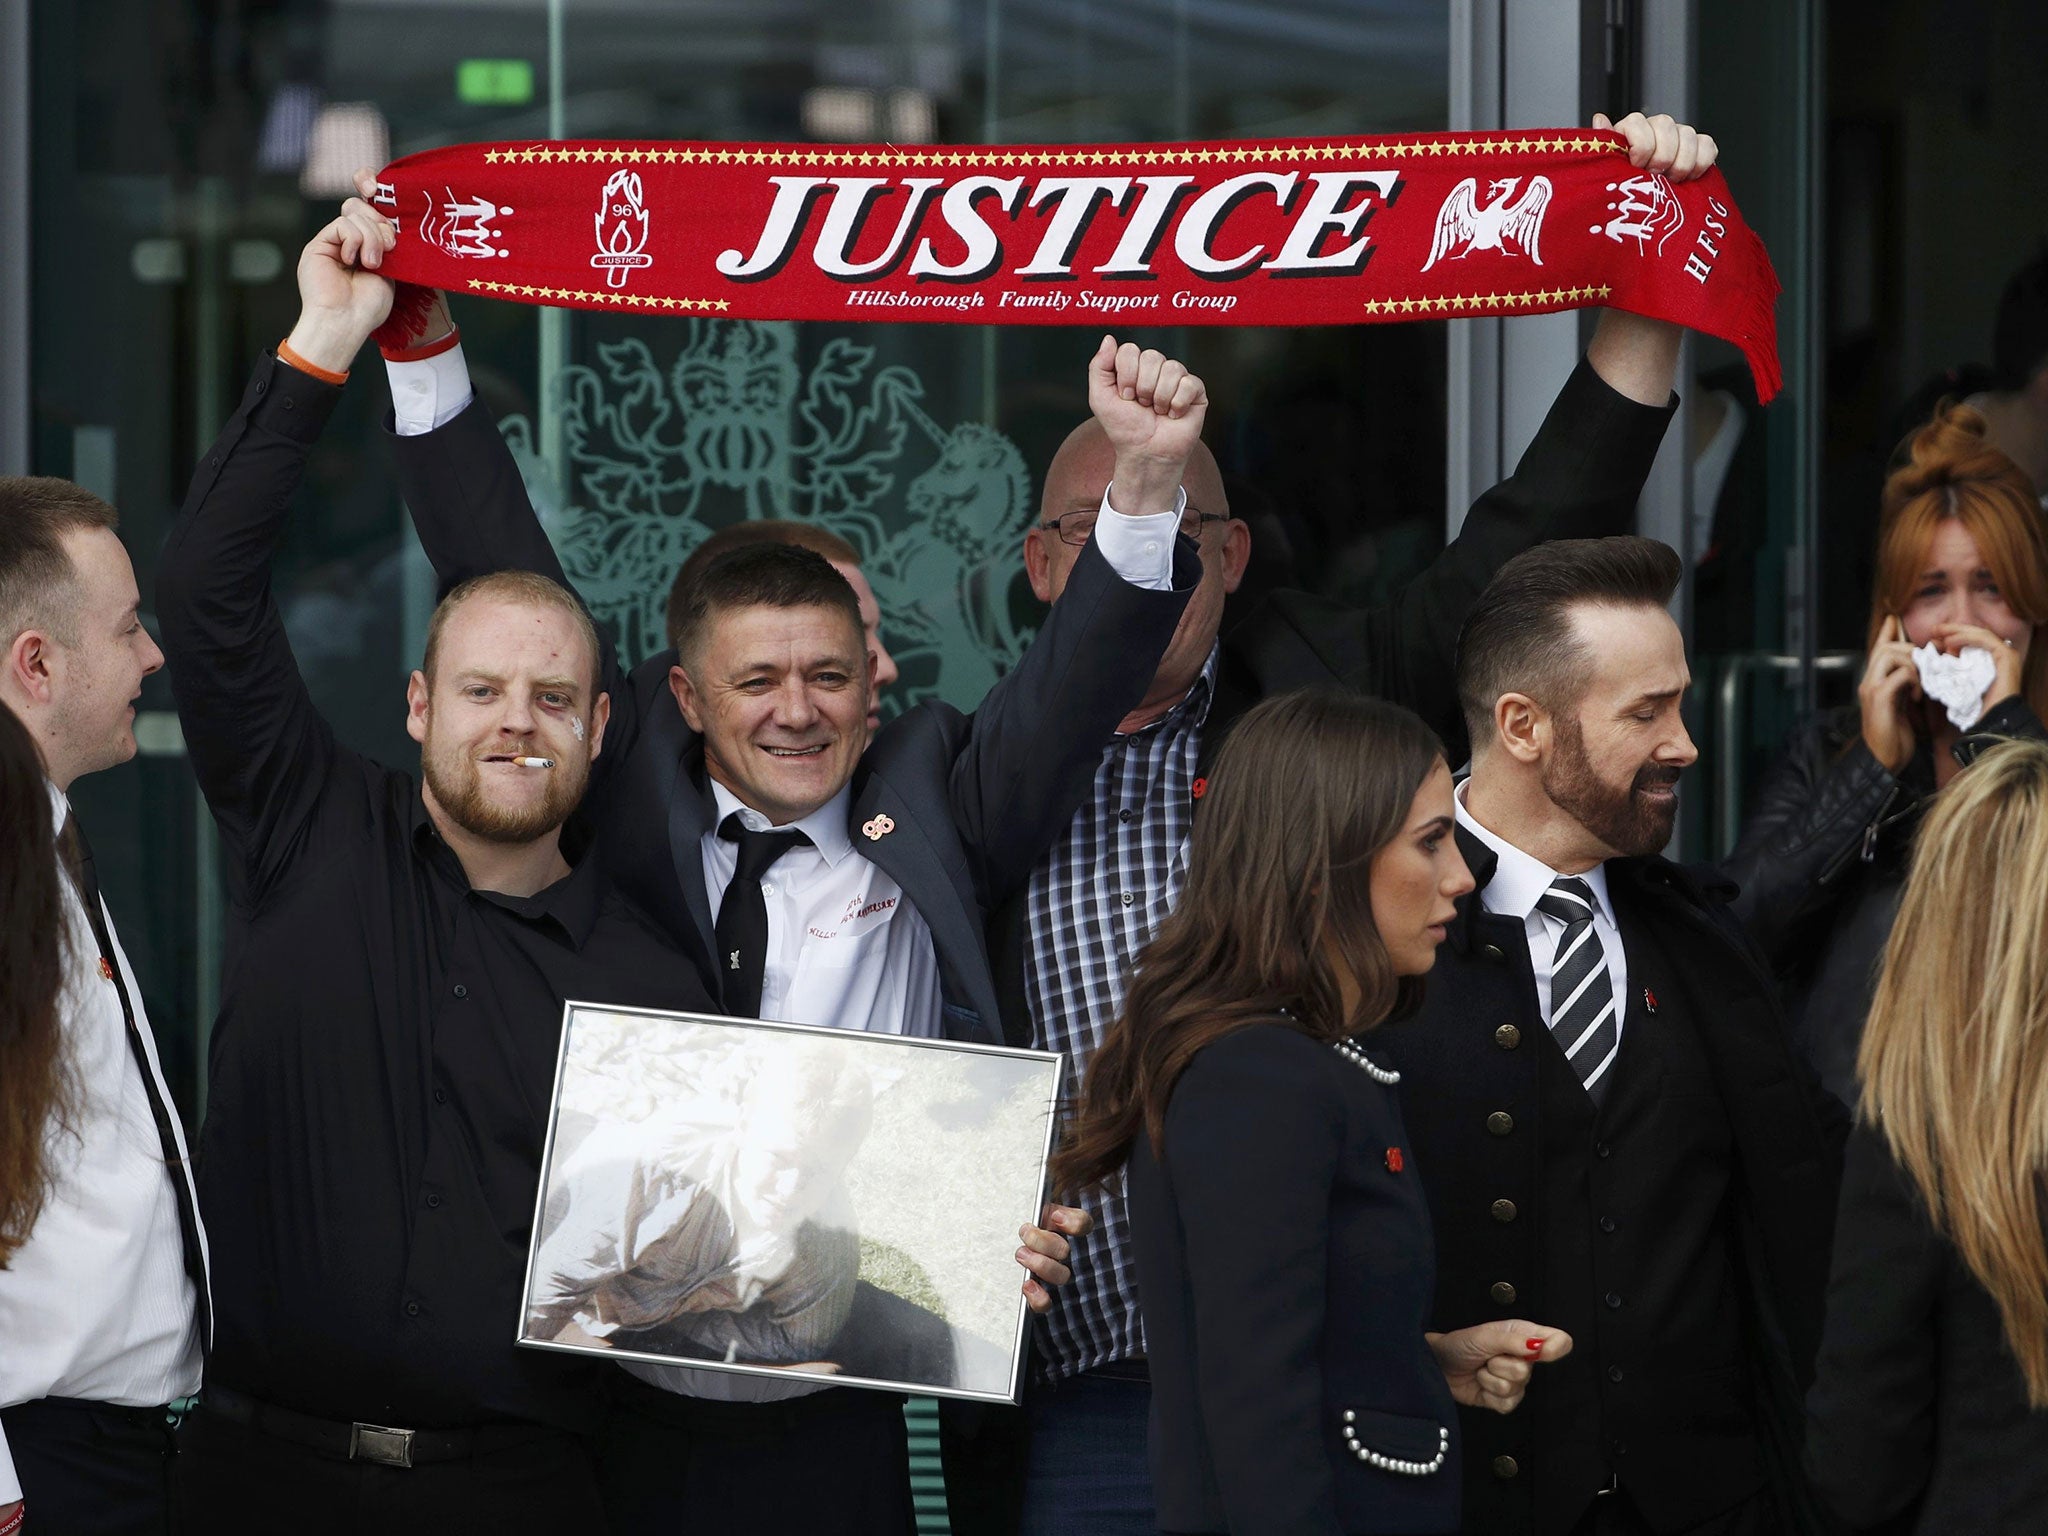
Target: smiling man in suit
820,873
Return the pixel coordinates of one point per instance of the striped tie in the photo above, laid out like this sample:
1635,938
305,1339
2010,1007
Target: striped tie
1581,994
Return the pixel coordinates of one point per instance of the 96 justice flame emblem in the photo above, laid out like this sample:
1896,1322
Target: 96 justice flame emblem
621,228
1315,231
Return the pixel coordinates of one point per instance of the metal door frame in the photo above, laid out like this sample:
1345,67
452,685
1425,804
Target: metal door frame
16,252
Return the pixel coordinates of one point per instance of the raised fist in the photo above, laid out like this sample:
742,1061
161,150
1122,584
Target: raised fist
1152,410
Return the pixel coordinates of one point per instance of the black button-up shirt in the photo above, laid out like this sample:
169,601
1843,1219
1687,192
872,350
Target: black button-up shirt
385,1053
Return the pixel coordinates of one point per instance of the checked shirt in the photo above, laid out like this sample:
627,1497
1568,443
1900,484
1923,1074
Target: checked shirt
1094,903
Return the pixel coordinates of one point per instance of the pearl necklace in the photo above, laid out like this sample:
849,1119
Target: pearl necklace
1358,1058
1355,1054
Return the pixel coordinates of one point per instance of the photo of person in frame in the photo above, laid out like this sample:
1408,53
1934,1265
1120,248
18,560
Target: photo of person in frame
704,1201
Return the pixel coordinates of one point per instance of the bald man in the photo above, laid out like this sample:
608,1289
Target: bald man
1063,947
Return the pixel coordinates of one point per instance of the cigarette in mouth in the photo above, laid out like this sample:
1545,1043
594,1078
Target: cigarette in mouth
533,762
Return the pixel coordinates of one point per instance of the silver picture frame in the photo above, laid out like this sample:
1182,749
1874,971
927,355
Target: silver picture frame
788,1201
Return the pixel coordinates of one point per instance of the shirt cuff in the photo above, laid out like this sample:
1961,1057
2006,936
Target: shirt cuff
429,393
1139,549
10,1483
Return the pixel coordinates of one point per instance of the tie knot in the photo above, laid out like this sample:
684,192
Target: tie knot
1569,900
758,850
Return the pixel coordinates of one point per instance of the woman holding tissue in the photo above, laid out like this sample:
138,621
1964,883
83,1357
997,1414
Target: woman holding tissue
1957,662
1283,1244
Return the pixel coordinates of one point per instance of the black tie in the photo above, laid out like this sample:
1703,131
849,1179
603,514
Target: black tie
78,853
742,927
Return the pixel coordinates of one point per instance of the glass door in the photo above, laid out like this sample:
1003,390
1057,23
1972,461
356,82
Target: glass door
178,155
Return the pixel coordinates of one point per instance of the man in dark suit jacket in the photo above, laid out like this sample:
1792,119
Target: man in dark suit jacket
1065,943
1604,1107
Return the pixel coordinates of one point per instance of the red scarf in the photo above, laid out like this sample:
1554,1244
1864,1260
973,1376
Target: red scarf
1298,232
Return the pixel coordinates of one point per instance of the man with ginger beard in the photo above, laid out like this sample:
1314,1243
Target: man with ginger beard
399,953
1607,1116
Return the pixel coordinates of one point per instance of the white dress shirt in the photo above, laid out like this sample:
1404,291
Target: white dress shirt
845,946
429,393
97,1304
1519,882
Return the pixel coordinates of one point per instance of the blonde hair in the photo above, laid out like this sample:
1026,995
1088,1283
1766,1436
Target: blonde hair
1954,1061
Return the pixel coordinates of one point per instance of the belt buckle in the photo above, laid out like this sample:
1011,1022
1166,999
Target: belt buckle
375,1442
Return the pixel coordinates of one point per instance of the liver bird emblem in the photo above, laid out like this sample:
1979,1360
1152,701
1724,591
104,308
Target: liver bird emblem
1508,224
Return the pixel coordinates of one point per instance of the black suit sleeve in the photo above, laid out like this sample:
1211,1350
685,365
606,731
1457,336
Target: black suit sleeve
1870,1437
1038,736
262,754
1254,1133
470,508
1579,478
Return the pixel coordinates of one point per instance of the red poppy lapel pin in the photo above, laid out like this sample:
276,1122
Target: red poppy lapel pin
1395,1162
1198,789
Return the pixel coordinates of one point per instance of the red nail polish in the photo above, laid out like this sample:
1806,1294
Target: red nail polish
1535,1346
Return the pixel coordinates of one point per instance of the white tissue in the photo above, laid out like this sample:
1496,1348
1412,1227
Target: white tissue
1959,682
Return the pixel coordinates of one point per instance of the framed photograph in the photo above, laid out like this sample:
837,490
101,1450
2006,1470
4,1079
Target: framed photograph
789,1201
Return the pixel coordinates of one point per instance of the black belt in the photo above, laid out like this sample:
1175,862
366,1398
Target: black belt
380,1443
152,1417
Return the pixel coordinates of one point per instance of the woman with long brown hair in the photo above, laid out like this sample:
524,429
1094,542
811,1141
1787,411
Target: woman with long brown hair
1284,1249
32,953
1927,1412
1962,565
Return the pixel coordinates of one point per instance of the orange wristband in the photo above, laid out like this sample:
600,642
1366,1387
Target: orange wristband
291,359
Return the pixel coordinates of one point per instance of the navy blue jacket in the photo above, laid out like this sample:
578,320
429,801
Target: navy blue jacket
1287,1271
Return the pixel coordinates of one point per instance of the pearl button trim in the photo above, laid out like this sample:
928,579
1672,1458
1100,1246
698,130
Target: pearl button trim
1358,1058
1373,1458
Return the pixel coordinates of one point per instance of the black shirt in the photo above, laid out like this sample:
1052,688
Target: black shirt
385,1052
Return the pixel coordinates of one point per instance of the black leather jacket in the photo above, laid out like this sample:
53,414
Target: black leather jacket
1821,864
